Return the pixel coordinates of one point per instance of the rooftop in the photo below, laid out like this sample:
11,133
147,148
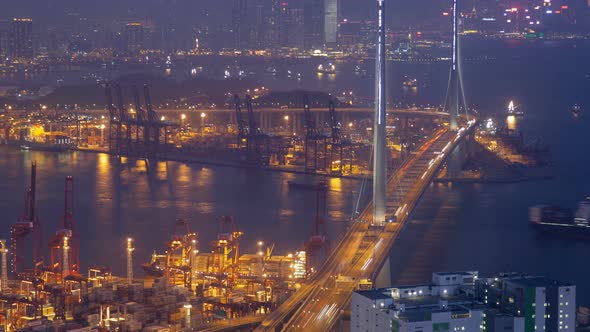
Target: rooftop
375,294
538,282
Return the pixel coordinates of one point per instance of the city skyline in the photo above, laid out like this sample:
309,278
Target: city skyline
275,165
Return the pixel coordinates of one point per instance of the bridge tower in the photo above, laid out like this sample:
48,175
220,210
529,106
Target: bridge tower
379,139
455,93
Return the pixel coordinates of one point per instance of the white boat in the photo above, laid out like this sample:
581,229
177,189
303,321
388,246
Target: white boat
514,109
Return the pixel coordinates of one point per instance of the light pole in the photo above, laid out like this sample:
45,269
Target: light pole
102,134
203,115
182,118
286,117
261,255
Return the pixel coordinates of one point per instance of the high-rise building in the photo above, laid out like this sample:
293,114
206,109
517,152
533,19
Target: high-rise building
350,34
545,304
291,24
331,22
20,39
133,37
313,18
255,23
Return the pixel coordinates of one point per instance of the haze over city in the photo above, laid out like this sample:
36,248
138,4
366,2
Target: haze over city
296,165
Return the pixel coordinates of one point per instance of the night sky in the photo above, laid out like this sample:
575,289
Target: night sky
402,11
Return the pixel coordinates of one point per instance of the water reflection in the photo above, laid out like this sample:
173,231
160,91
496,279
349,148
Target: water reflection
511,122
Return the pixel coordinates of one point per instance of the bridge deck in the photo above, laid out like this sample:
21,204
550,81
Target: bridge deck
364,249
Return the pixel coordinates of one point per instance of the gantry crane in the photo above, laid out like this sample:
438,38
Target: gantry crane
27,225
180,254
64,246
319,237
242,133
226,249
314,141
257,142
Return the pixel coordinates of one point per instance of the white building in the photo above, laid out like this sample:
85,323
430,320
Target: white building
460,301
440,306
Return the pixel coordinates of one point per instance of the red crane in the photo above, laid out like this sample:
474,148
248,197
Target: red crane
27,224
64,246
319,238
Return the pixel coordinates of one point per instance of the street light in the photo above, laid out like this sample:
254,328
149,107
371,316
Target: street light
182,118
286,117
203,115
162,118
102,134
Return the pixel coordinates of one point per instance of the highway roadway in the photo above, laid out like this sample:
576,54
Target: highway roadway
365,247
360,254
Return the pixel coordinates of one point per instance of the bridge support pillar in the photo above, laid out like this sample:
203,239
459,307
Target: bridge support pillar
455,161
384,277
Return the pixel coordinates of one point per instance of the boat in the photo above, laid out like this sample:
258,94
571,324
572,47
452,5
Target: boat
410,82
327,68
514,109
576,110
321,185
153,269
562,221
25,147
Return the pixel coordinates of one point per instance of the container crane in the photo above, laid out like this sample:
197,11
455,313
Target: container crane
226,248
336,143
140,119
64,246
258,143
179,253
27,225
319,238
242,134
124,119
312,139
113,121
153,127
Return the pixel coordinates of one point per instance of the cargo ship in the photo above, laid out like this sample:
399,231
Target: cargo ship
558,220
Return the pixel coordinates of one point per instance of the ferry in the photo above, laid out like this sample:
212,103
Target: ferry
327,68
514,109
410,82
576,110
558,220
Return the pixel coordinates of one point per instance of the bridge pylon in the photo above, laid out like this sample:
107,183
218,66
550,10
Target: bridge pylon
455,98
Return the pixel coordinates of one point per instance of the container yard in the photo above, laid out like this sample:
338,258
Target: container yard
184,284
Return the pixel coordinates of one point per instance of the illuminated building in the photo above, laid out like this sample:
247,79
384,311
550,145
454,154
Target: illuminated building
545,304
460,301
331,22
20,38
133,37
290,24
439,306
255,23
313,18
